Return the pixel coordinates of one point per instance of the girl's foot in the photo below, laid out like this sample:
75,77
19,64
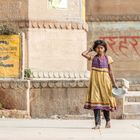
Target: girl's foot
108,125
96,127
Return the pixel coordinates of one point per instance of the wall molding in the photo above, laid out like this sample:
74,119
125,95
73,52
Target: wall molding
46,83
45,24
63,75
98,18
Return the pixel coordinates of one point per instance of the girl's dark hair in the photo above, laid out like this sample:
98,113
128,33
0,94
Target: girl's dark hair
99,42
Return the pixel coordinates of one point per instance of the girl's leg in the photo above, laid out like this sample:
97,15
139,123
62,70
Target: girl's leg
97,118
107,118
106,115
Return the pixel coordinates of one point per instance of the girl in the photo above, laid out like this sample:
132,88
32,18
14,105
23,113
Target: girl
102,79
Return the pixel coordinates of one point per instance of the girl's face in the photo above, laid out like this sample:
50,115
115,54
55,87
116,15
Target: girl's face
100,49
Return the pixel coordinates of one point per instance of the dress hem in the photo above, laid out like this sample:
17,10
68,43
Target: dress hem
107,108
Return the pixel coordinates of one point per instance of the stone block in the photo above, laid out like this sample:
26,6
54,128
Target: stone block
132,107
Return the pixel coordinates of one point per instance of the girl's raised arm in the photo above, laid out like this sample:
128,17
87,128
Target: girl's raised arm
86,53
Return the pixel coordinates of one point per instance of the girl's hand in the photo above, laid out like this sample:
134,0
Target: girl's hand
90,49
115,85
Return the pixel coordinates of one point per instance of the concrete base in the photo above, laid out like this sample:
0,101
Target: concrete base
46,129
50,98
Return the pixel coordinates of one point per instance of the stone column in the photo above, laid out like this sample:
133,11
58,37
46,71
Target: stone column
57,37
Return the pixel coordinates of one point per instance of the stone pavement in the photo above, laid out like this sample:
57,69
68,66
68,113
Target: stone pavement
46,129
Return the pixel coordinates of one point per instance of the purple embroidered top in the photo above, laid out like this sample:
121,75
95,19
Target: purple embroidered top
100,63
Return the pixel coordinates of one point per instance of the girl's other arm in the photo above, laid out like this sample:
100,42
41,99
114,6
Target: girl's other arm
111,74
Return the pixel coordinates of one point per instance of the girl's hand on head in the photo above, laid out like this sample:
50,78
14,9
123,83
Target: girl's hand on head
90,49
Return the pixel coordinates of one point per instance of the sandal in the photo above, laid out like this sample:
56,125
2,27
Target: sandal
108,125
96,127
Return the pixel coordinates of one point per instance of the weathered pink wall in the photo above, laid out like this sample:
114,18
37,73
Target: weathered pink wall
117,22
123,41
112,9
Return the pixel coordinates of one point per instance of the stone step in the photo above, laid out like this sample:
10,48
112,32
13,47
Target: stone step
132,107
134,85
131,116
132,96
13,113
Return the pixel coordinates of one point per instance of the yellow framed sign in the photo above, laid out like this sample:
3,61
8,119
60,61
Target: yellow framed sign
10,56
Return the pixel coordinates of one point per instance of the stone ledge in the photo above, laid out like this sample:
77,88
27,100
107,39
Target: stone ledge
134,82
54,75
134,85
131,116
53,25
52,83
132,96
14,84
113,18
13,113
45,24
83,83
59,84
